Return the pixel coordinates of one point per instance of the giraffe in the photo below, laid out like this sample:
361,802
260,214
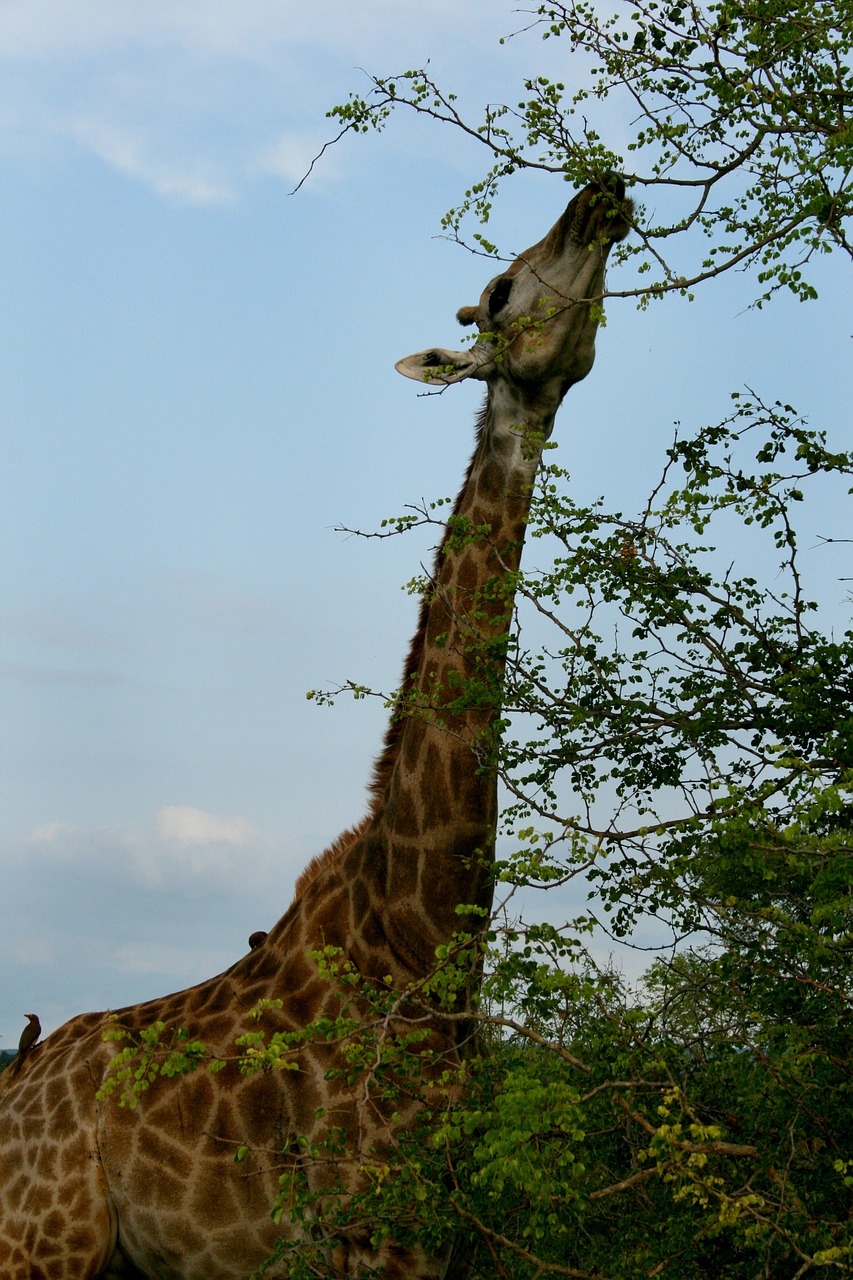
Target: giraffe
90,1189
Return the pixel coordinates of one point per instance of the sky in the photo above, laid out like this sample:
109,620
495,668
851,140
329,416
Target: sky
197,392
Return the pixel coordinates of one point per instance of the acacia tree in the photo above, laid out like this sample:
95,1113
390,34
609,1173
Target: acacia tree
681,741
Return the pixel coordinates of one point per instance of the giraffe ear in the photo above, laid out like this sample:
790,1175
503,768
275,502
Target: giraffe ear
439,366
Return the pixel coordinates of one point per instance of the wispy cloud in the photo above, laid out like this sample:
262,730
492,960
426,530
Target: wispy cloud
136,157
48,832
252,30
183,848
62,624
62,639
292,155
198,98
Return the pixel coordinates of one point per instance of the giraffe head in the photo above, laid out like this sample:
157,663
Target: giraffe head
537,319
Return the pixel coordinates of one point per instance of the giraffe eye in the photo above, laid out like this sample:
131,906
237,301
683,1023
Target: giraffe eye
499,295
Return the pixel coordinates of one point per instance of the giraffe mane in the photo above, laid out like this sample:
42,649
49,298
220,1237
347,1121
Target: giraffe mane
383,766
335,850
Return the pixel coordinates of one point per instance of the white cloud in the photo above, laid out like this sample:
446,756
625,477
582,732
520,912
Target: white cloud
183,825
98,917
184,850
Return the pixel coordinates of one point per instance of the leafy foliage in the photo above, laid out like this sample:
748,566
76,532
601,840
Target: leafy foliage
741,128
147,1054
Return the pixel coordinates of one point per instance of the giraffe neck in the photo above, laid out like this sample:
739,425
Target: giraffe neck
435,786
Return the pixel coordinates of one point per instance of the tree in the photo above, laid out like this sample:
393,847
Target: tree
739,113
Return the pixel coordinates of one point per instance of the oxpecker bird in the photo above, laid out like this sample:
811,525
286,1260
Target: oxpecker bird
29,1036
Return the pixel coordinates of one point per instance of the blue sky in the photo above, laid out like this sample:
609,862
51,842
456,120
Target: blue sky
197,387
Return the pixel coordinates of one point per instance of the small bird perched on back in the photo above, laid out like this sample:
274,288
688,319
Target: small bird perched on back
29,1036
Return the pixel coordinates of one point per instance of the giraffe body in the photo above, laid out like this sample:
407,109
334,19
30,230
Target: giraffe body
89,1189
